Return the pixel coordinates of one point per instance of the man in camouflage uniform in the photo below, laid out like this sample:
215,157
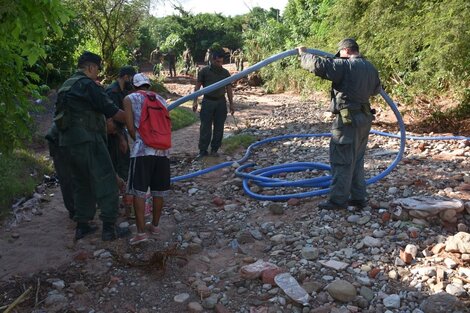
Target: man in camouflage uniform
156,58
171,58
62,168
208,56
118,146
81,108
188,59
354,81
238,56
213,106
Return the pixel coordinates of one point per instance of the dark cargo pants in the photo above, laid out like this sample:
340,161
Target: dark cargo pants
64,174
120,160
213,115
94,181
347,149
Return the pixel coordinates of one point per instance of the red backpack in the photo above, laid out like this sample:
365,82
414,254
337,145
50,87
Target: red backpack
155,123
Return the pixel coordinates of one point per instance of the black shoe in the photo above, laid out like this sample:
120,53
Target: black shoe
328,205
84,229
358,203
201,155
214,154
111,232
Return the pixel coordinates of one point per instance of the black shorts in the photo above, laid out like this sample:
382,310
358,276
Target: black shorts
149,171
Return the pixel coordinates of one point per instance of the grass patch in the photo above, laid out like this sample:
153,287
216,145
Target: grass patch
232,143
20,173
181,117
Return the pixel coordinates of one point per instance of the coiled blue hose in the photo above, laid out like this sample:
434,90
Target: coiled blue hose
262,177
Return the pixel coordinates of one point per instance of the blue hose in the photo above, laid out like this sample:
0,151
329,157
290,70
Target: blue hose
262,177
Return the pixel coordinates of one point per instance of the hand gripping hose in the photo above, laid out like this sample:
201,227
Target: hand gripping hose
262,177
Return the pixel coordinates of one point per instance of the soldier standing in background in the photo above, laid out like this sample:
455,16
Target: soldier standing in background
171,58
188,60
156,58
208,56
213,106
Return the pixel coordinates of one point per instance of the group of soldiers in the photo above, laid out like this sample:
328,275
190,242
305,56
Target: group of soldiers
157,58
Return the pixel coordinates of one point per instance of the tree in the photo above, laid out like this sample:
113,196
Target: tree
198,32
61,53
114,24
405,39
24,25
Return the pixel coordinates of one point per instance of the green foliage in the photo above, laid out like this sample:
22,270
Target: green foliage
232,143
453,116
303,18
172,42
113,24
20,173
198,32
24,26
404,39
182,117
61,52
265,41
157,86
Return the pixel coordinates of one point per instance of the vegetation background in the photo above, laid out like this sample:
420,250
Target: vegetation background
421,48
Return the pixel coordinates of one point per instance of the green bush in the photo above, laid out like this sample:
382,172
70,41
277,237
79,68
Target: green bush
20,173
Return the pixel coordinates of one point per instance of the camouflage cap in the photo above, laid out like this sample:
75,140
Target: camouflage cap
88,56
347,43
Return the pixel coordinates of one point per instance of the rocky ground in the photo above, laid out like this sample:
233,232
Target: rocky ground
391,256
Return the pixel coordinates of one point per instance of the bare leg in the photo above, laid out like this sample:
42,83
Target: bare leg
139,207
157,210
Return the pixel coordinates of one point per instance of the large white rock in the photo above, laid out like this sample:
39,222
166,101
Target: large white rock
429,205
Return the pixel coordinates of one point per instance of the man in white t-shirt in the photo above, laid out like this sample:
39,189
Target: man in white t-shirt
149,167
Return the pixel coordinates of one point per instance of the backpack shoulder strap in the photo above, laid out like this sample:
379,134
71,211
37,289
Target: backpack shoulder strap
147,94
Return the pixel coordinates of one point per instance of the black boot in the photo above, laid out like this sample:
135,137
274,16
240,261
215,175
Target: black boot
111,232
201,155
328,205
84,229
358,203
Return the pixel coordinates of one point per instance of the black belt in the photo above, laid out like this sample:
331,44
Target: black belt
214,98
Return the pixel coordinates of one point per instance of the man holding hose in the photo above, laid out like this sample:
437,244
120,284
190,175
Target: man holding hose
354,81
